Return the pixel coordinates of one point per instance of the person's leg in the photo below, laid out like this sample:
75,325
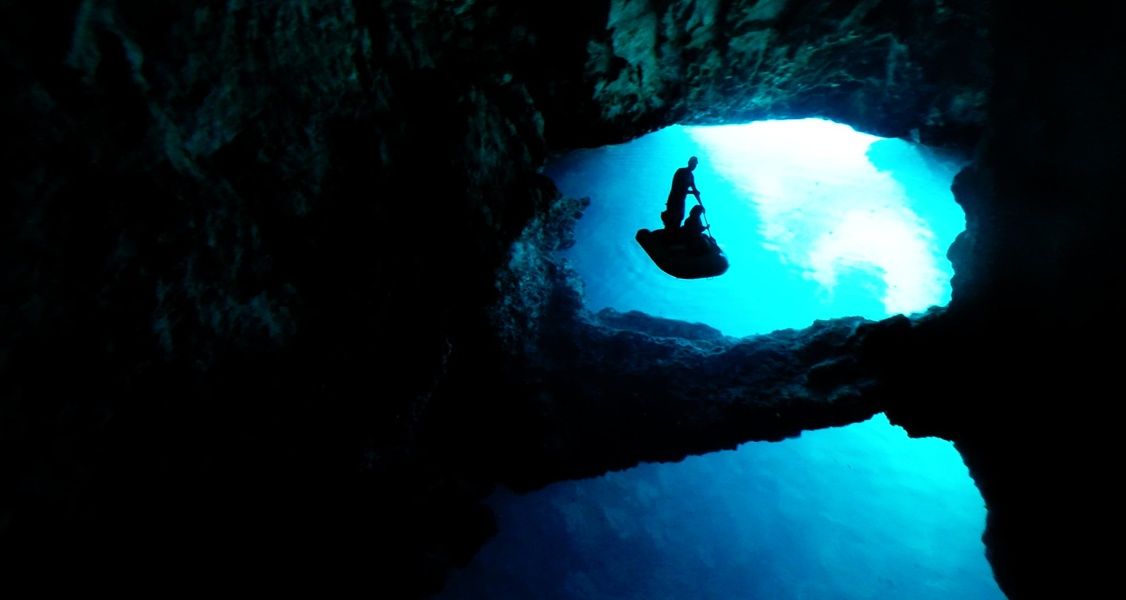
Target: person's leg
677,208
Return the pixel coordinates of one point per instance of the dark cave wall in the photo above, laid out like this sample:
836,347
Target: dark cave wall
225,181
261,295
900,69
1037,284
241,243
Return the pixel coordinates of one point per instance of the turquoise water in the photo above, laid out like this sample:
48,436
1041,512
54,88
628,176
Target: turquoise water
818,222
859,512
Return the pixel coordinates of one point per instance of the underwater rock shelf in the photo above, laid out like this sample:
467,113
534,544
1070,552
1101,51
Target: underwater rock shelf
627,387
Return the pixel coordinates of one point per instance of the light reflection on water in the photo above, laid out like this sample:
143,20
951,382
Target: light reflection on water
818,221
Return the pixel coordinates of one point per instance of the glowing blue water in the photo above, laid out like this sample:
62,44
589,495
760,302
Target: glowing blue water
856,226
817,220
837,514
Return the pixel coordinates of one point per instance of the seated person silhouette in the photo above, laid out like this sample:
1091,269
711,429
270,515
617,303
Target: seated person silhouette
694,224
692,232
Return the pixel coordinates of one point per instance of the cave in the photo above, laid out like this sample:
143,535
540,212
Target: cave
283,304
819,221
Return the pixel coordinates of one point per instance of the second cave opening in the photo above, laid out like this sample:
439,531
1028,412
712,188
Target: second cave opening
852,512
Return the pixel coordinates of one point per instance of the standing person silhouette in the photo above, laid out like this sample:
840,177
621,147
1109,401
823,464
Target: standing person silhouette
683,183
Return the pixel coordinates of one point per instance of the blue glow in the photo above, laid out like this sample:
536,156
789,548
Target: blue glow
845,513
818,221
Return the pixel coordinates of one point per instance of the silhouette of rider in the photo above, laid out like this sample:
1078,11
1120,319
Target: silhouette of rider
683,183
692,233
693,225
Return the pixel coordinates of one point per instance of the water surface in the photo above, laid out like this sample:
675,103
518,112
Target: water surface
817,220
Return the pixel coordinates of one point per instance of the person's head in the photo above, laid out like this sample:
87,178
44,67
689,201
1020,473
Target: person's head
692,163
697,211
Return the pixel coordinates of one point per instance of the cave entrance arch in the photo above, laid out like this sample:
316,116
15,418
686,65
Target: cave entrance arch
628,194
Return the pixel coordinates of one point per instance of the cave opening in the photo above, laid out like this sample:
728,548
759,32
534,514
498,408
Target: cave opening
818,221
861,511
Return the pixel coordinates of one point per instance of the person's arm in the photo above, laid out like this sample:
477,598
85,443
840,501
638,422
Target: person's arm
695,191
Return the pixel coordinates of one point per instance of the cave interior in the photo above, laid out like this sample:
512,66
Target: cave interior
282,299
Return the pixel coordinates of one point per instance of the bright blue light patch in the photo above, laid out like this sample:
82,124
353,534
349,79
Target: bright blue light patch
818,221
847,513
